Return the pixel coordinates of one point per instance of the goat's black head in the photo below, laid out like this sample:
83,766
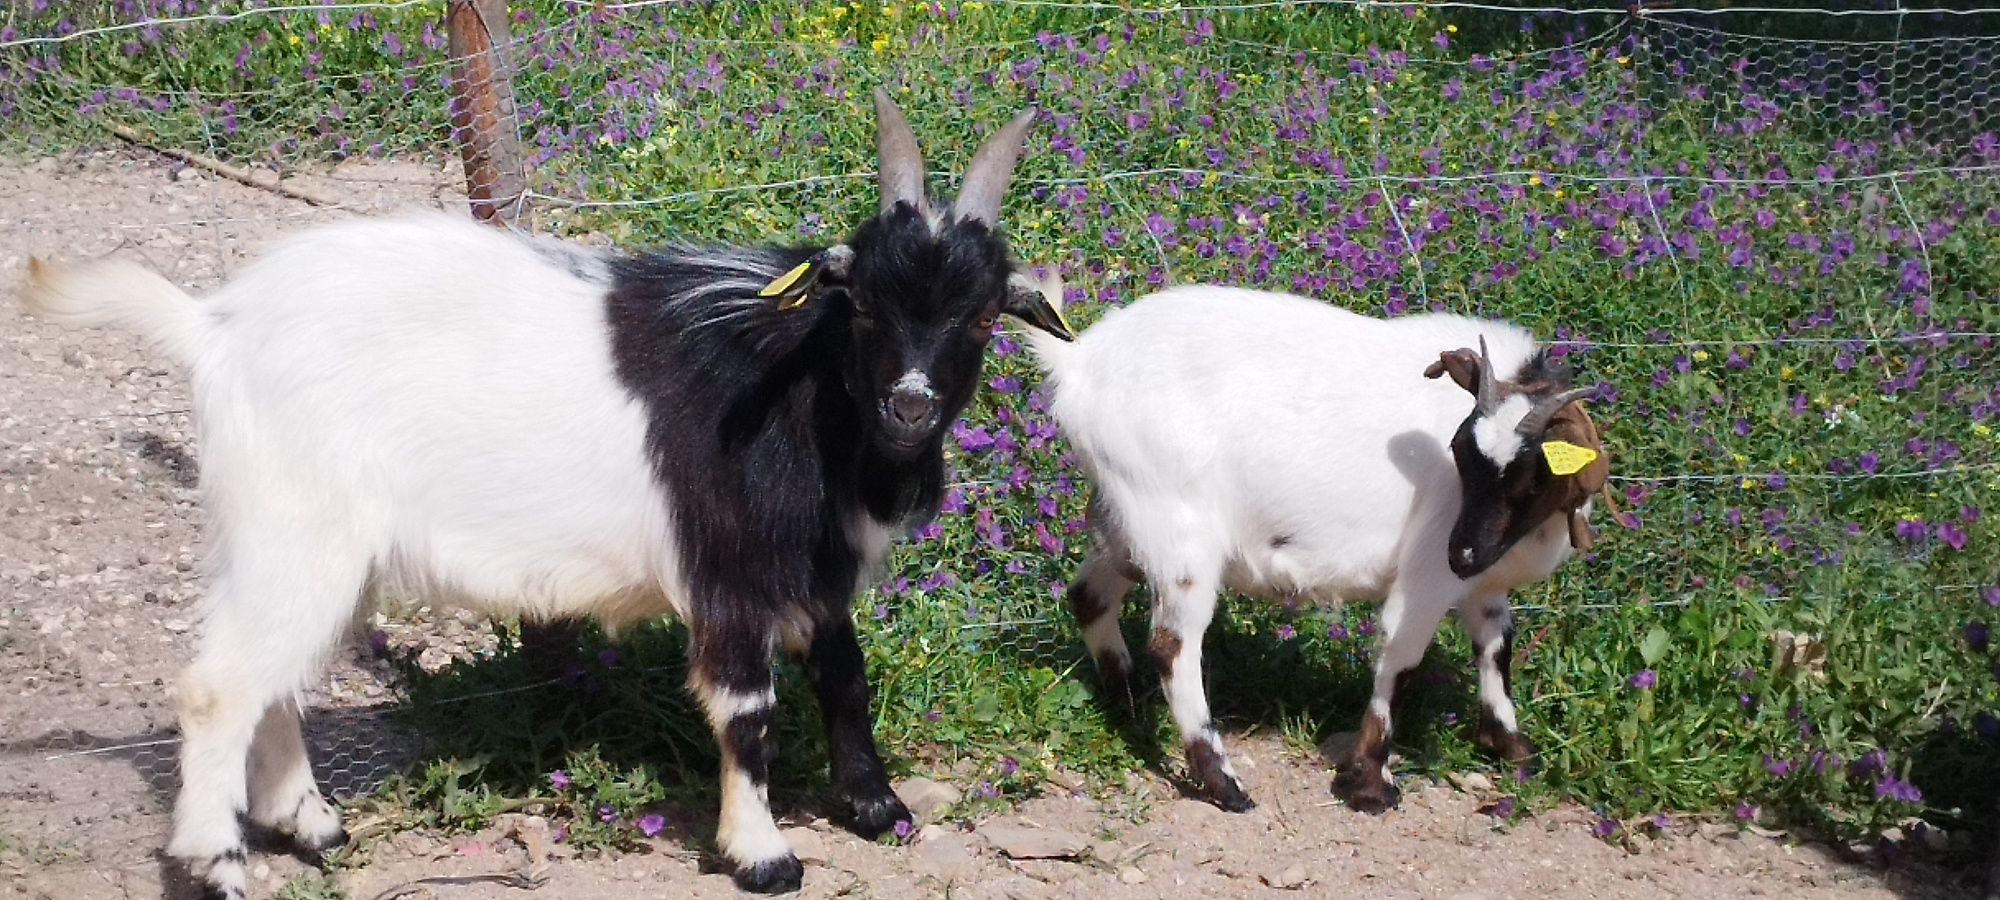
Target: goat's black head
921,285
1525,453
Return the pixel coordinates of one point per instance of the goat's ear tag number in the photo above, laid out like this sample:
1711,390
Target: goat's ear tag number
792,282
1566,458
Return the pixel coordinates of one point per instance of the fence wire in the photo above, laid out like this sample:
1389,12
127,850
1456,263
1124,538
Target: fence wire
1665,139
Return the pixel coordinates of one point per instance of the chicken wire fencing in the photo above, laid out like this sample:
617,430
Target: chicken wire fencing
1842,156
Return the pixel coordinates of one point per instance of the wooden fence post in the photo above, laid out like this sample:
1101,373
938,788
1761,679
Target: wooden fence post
487,128
483,120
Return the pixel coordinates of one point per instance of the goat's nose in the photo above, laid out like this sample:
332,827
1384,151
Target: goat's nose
911,408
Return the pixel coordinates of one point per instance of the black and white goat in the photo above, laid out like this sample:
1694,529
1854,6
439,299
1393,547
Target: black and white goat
1281,447
728,435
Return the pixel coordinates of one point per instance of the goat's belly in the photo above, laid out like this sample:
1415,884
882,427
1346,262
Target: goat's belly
1291,577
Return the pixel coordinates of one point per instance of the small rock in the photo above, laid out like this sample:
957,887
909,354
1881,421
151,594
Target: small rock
261,871
925,797
944,857
807,845
1131,875
1035,843
1067,780
1289,878
1471,782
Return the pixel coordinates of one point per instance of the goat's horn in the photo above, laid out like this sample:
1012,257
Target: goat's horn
992,168
898,160
1488,397
1537,419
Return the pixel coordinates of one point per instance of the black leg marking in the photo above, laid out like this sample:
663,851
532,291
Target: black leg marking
772,876
1210,770
1360,780
839,677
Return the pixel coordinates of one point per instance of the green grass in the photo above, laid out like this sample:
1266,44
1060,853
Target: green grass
1525,187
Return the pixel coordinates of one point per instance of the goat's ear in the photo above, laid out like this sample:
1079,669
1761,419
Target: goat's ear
900,165
825,271
1463,364
1037,301
1572,425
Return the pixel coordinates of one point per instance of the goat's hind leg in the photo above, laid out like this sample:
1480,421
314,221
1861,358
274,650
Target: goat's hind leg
1095,598
283,796
1182,610
277,610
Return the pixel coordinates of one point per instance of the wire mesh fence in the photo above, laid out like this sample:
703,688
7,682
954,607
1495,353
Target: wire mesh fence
1851,176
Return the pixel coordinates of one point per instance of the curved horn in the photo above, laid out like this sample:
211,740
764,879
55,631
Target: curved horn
1488,396
900,164
1537,419
991,169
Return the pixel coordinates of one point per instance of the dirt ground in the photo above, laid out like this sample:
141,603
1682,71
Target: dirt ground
98,534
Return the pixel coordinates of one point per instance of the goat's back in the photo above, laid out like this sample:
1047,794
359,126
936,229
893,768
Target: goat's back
1300,439
449,391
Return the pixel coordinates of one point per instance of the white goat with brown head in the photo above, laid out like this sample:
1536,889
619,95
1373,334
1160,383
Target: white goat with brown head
1280,447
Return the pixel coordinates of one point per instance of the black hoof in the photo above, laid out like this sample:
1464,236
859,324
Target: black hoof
873,817
1366,792
1230,797
780,875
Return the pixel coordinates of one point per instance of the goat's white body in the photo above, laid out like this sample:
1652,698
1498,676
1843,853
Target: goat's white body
402,400
1218,422
1281,447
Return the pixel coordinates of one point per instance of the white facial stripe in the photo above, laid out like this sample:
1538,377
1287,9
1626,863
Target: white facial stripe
1495,433
913,382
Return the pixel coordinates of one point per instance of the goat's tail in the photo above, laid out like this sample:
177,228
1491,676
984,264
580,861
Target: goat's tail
116,292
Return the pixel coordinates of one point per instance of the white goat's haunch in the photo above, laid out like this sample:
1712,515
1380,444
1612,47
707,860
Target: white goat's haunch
1281,447
727,435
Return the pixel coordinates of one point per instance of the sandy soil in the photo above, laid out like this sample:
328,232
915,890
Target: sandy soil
98,533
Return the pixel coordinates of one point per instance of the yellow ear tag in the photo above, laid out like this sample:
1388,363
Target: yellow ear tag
783,283
1566,458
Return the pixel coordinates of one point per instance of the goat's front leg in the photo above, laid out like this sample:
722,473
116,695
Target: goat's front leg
1181,613
1489,623
732,676
840,677
1410,619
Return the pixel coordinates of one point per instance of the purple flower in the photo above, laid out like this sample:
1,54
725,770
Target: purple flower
1645,680
606,814
1604,828
1986,725
379,641
1008,767
1952,535
1777,767
1893,788
1505,808
651,824
559,780
608,658
904,829
1286,633
1993,596
1977,636
1339,632
1747,813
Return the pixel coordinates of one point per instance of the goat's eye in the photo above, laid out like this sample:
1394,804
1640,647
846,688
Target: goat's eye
985,323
